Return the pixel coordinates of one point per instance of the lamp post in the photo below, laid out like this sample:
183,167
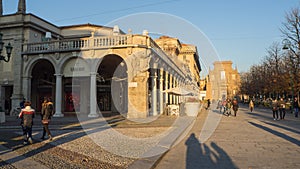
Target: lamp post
287,46
8,50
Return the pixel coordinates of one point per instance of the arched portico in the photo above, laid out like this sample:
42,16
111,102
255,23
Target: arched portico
42,82
112,84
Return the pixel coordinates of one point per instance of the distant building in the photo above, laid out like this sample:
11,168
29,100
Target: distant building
223,81
187,57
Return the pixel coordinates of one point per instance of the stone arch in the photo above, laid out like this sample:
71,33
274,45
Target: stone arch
112,84
42,82
32,62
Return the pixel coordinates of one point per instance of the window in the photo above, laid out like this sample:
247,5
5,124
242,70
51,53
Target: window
233,77
223,77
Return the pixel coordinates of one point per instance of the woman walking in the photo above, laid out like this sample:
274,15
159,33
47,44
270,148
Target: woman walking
47,112
251,105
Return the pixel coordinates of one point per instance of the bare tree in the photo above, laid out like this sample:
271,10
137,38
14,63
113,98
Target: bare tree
291,32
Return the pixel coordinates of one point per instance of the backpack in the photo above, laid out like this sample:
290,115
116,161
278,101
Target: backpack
50,109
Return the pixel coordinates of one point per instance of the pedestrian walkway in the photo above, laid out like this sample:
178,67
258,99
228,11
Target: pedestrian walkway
250,140
74,146
16,160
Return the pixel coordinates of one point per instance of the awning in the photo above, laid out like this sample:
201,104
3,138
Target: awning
179,91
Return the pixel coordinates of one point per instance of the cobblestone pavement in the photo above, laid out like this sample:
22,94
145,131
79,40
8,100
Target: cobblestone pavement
249,141
74,146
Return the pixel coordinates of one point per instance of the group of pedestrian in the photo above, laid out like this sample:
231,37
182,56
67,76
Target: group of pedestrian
226,105
28,113
278,106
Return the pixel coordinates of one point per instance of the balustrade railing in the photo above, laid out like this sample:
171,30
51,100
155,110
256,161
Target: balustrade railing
99,43
77,44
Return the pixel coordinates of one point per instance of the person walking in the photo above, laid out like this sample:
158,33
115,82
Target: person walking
296,106
275,109
47,113
223,107
208,104
235,106
251,105
281,108
27,115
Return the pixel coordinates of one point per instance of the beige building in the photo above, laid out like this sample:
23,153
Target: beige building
89,68
223,81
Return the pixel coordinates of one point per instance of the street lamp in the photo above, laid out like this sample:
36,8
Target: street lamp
287,46
8,50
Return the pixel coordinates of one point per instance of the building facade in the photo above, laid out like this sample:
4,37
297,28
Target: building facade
90,68
223,81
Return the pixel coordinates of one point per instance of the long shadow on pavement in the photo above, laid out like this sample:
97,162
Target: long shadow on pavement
279,134
283,127
202,156
97,127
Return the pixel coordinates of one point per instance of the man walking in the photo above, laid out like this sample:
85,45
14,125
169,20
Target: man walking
275,109
27,115
296,106
282,108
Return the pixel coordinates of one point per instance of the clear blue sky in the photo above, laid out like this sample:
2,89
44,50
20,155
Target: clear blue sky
240,30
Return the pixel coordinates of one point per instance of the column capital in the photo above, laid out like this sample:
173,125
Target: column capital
27,77
94,73
58,74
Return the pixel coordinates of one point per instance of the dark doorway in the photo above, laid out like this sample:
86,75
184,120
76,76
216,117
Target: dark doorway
42,83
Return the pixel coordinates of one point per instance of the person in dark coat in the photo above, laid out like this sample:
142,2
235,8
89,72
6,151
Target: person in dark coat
296,106
275,107
47,113
235,106
27,115
208,104
281,108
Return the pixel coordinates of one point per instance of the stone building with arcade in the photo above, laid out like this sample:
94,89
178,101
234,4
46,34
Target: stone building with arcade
89,68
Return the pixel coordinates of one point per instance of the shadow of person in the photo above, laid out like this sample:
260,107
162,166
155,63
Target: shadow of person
222,159
203,156
193,152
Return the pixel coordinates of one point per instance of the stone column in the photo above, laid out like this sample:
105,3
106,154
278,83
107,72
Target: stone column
166,87
93,94
17,61
161,96
58,96
171,86
154,91
177,85
27,87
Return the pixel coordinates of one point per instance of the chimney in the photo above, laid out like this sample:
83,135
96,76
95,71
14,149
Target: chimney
1,8
22,7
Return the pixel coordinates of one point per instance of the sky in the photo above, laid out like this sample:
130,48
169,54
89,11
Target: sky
236,30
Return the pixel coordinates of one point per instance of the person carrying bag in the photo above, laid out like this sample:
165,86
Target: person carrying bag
47,113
